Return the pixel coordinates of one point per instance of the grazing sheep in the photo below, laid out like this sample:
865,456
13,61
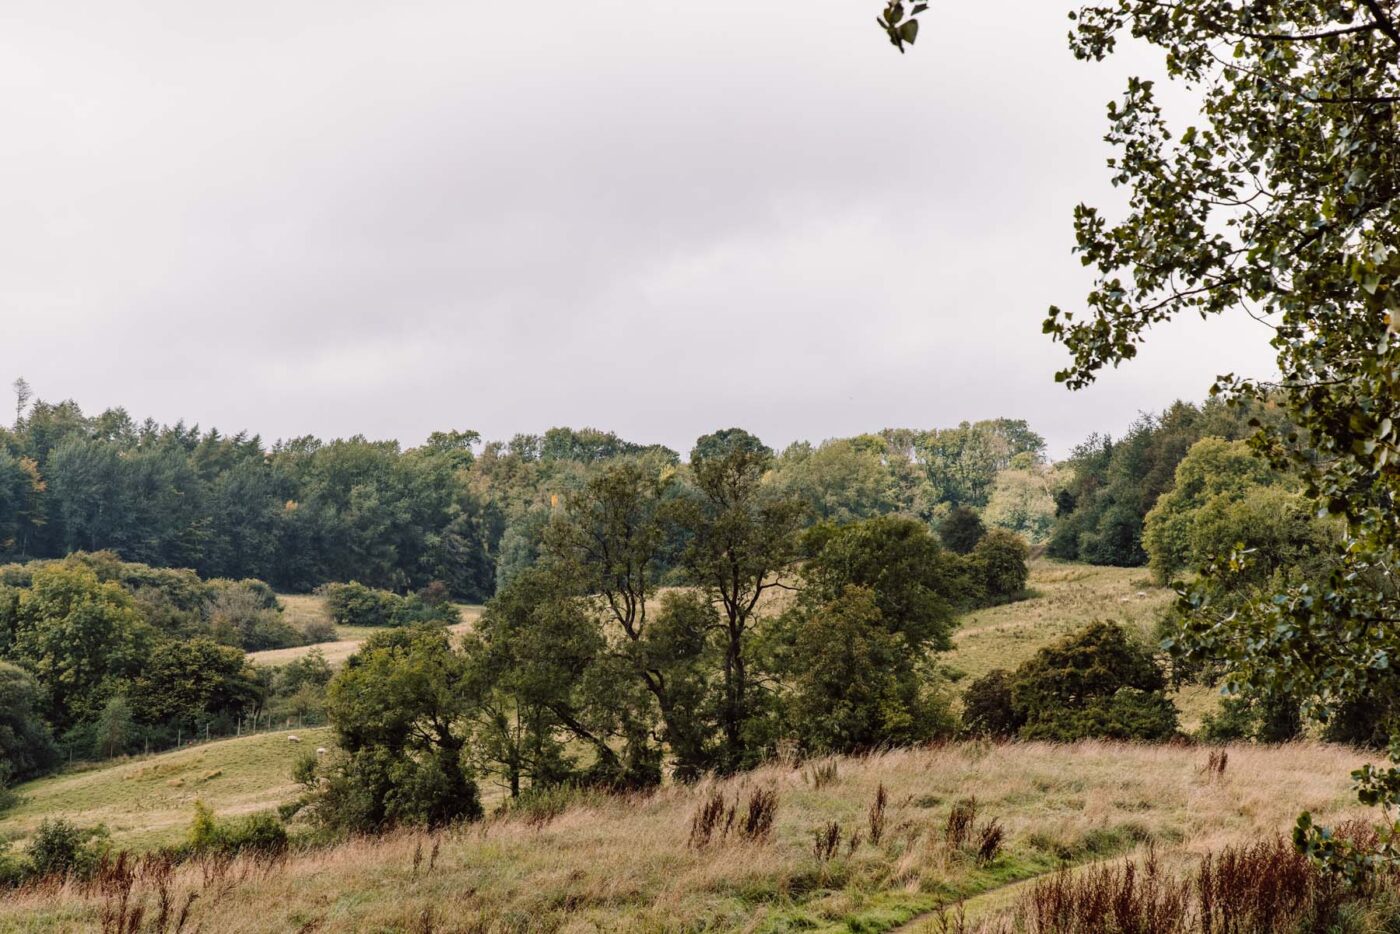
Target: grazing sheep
293,739
320,750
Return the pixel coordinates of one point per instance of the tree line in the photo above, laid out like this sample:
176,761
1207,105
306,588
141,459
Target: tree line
302,512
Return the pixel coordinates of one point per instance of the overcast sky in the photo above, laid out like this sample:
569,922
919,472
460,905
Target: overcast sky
660,219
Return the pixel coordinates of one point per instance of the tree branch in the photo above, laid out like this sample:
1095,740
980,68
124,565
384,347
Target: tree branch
1383,21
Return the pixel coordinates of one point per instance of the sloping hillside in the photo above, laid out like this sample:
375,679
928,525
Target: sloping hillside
149,801
624,864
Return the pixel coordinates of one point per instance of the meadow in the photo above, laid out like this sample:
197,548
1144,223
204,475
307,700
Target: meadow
147,801
600,863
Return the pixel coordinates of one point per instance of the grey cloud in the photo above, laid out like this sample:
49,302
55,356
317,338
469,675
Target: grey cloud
347,217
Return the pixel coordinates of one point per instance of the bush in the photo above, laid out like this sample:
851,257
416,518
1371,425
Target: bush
1130,714
62,848
12,868
354,604
238,615
319,630
1364,722
1272,719
988,709
999,565
1094,683
415,610
261,833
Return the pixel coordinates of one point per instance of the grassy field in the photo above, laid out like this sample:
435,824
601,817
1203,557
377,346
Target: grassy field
148,801
625,864
302,608
1067,597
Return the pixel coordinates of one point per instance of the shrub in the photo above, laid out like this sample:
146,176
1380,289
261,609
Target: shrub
1272,719
238,615
1130,714
415,610
12,868
60,847
354,604
999,565
988,709
311,668
204,830
1095,683
256,833
318,630
1367,719
260,833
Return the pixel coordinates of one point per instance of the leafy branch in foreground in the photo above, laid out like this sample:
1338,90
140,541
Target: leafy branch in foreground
1281,200
1281,203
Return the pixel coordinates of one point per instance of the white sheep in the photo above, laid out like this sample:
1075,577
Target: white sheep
293,739
320,750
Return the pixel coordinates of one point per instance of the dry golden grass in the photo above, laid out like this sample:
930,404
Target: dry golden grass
624,864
